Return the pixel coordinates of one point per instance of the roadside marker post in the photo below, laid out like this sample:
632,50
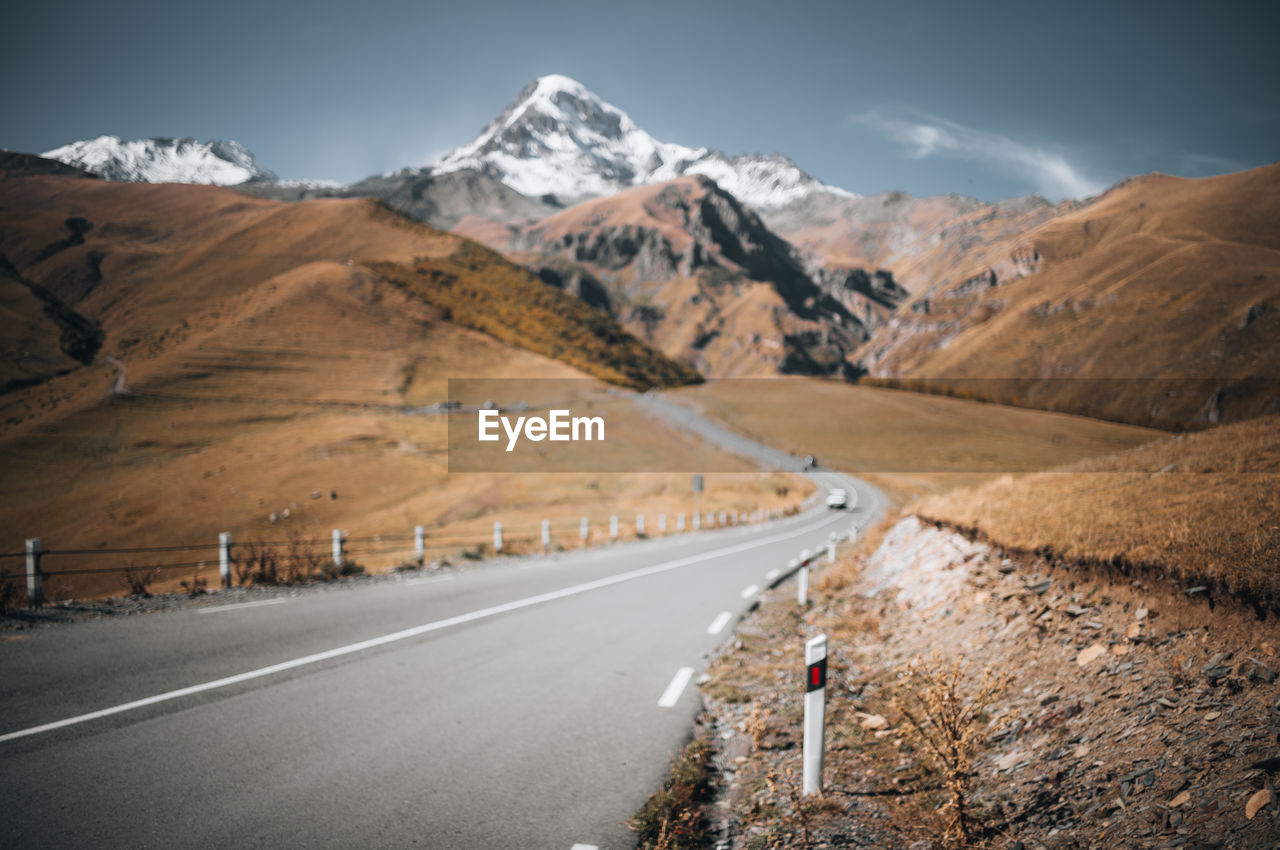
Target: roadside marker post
802,585
680,523
613,527
831,553
224,558
639,525
419,545
662,523
337,547
497,537
546,535
584,529
697,520
815,708
35,578
723,519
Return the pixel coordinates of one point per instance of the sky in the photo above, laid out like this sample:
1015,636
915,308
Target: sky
991,100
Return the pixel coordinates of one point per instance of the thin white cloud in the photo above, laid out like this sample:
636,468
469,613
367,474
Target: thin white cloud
926,135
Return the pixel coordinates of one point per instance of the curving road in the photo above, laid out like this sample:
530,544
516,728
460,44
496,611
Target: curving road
523,704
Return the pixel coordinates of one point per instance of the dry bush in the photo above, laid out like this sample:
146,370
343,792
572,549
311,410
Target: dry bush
259,564
942,709
196,586
302,561
137,580
1201,507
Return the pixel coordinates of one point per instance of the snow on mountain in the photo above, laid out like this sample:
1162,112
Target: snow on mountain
163,160
559,138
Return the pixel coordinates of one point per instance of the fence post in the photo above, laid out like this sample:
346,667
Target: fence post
584,529
815,708
546,535
35,578
723,520
831,553
419,545
639,525
613,527
697,520
497,537
662,523
680,523
337,547
802,585
224,557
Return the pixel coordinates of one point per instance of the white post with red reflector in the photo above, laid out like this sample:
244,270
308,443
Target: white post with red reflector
613,527
497,537
662,523
697,520
680,523
815,709
802,585
584,529
639,525
337,547
546,535
419,545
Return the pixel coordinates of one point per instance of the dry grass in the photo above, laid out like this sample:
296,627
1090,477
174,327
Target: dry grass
907,443
1202,507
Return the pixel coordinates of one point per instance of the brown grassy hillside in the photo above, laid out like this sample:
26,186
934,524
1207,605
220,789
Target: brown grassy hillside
274,384
1156,304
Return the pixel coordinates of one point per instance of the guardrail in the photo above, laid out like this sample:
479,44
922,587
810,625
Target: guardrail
298,559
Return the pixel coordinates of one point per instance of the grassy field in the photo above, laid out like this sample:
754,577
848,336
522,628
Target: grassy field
907,442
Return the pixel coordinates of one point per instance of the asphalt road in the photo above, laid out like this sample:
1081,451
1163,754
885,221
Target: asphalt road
514,705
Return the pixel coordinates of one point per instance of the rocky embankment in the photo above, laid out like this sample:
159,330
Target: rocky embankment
1135,714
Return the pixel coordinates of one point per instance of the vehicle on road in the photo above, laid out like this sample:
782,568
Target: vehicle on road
838,499
810,462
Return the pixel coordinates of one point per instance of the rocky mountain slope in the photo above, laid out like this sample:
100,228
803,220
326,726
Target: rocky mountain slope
163,160
925,241
688,268
1154,304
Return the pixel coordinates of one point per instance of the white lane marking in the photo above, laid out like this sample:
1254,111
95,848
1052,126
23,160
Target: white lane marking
678,682
750,591
718,624
584,847
772,574
258,604
403,634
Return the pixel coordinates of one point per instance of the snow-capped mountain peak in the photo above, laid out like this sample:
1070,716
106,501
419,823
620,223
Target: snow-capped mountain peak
162,160
560,138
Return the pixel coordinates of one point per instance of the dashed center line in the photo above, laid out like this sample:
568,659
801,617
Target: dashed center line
718,624
237,606
750,591
772,574
584,847
672,694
